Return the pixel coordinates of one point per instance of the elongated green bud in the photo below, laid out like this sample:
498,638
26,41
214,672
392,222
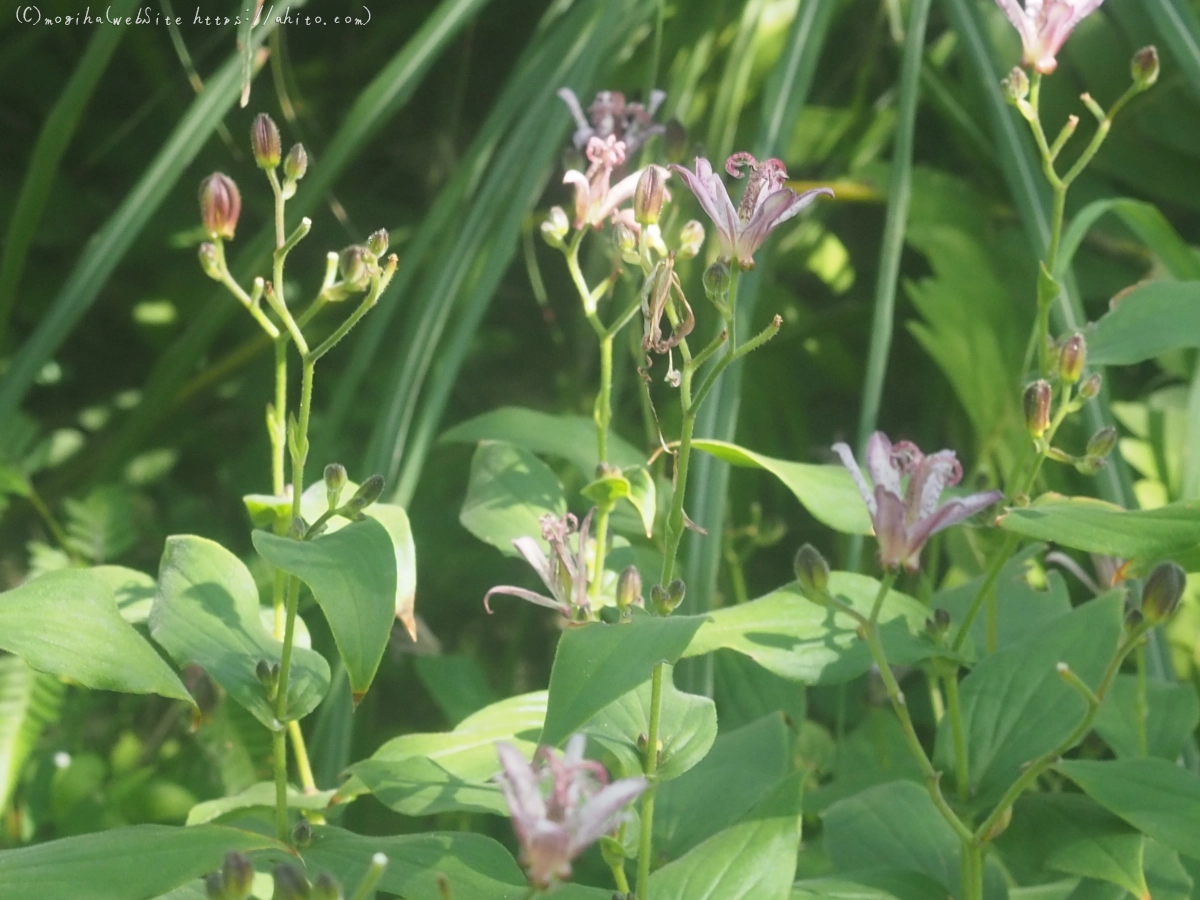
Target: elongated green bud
1090,387
648,195
264,141
352,265
625,242
335,481
629,588
691,240
716,280
238,875
210,262
1037,407
377,243
555,228
1072,359
1163,589
302,834
368,492
1102,442
1016,85
812,571
290,883
326,887
296,163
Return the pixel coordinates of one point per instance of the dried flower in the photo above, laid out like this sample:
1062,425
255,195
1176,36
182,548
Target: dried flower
220,206
264,141
560,805
1044,25
765,205
596,197
905,517
609,115
564,572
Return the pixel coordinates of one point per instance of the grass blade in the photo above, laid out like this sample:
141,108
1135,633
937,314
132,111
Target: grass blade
1180,30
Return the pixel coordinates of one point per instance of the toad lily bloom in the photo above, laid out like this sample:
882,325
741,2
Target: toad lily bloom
560,805
1044,25
564,572
765,205
905,517
631,123
596,197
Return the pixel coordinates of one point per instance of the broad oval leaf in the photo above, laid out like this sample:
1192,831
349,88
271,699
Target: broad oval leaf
596,664
1154,796
207,613
509,491
133,590
67,623
687,725
1172,714
124,863
352,575
828,492
257,795
1145,322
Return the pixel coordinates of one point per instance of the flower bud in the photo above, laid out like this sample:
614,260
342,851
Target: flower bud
1037,407
302,833
1134,620
658,599
1162,591
335,480
625,242
238,876
1144,68
629,588
368,492
264,140
1016,85
214,886
262,672
1072,359
290,884
326,888
298,529
220,206
1090,386
377,243
210,262
938,624
556,226
648,195
352,264
716,280
1089,464
691,240
1102,442
296,163
812,571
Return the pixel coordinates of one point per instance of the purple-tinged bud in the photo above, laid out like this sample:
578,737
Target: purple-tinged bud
1016,85
812,571
1144,68
296,163
1090,387
377,243
368,492
262,672
335,480
264,140
1163,589
238,876
302,834
290,883
648,195
1102,442
1072,359
1037,408
629,588
220,206
326,888
691,240
352,265
210,262
666,601
716,280
556,227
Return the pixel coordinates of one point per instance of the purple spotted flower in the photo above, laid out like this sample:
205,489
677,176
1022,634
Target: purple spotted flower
1044,25
564,572
560,806
609,115
765,205
596,197
906,516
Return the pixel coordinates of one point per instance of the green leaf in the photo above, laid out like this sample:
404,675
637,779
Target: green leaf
607,490
1070,833
352,575
688,726
134,591
66,623
1166,875
207,613
330,745
789,635
13,481
29,701
122,863
476,867
1144,220
880,885
1015,706
745,692
1173,712
1154,796
896,826
257,795
415,769
596,664
875,752
828,492
456,683
643,495
509,491
394,519
1098,527
572,438
742,767
755,858
1147,321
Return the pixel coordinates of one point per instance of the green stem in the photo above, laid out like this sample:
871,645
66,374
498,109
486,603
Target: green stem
973,872
884,586
366,887
646,847
279,743
1140,707
954,711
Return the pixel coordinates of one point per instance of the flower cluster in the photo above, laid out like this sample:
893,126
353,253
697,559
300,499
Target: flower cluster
560,805
564,572
610,116
906,516
1044,25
